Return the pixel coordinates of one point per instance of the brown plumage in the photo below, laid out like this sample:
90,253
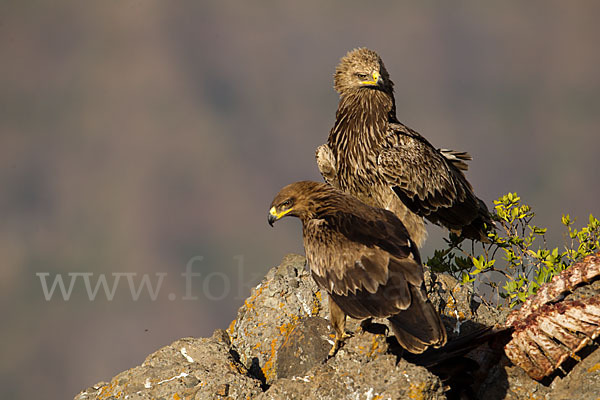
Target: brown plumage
382,162
365,260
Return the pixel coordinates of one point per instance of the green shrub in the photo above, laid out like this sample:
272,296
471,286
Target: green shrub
526,261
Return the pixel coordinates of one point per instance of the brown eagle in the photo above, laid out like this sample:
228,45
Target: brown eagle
382,162
364,259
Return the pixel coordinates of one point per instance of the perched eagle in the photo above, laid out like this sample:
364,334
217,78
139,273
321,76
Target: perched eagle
382,162
365,260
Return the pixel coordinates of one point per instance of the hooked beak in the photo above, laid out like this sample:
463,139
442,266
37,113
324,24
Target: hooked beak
272,218
274,215
377,80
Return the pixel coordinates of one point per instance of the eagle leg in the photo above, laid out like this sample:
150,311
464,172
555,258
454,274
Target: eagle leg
338,320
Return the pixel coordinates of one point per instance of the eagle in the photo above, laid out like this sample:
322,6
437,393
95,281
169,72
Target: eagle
363,257
384,163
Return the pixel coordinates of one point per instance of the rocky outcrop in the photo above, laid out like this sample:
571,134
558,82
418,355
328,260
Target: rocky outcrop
265,320
186,369
277,348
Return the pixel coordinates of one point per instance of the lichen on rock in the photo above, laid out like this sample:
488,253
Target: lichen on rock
276,348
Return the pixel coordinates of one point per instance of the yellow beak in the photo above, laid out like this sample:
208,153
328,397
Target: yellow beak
274,215
376,80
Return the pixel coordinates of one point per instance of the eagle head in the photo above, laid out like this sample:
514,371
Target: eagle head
362,68
304,199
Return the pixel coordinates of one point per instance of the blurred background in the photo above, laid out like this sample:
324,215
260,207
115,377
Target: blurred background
145,136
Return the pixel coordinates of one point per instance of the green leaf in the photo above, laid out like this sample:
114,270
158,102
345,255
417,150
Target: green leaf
465,278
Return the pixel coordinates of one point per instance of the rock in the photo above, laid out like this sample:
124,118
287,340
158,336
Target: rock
365,367
274,308
277,348
459,306
187,369
507,381
353,374
306,346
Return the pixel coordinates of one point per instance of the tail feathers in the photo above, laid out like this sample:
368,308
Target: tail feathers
478,229
420,326
463,345
457,158
482,224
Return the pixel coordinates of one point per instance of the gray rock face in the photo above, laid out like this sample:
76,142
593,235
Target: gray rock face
461,311
349,376
306,346
274,308
187,369
364,368
277,348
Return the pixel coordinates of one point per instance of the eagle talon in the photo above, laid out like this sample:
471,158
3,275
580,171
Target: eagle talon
339,342
333,350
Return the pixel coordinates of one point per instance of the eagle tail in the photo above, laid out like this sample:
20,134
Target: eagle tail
495,336
420,326
478,229
457,158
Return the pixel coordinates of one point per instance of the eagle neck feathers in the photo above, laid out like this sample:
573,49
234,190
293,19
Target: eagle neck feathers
362,118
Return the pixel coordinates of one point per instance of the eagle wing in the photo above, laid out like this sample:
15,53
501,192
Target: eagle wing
371,268
327,164
368,266
428,181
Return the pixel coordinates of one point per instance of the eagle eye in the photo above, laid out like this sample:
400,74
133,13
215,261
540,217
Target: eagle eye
287,203
362,76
